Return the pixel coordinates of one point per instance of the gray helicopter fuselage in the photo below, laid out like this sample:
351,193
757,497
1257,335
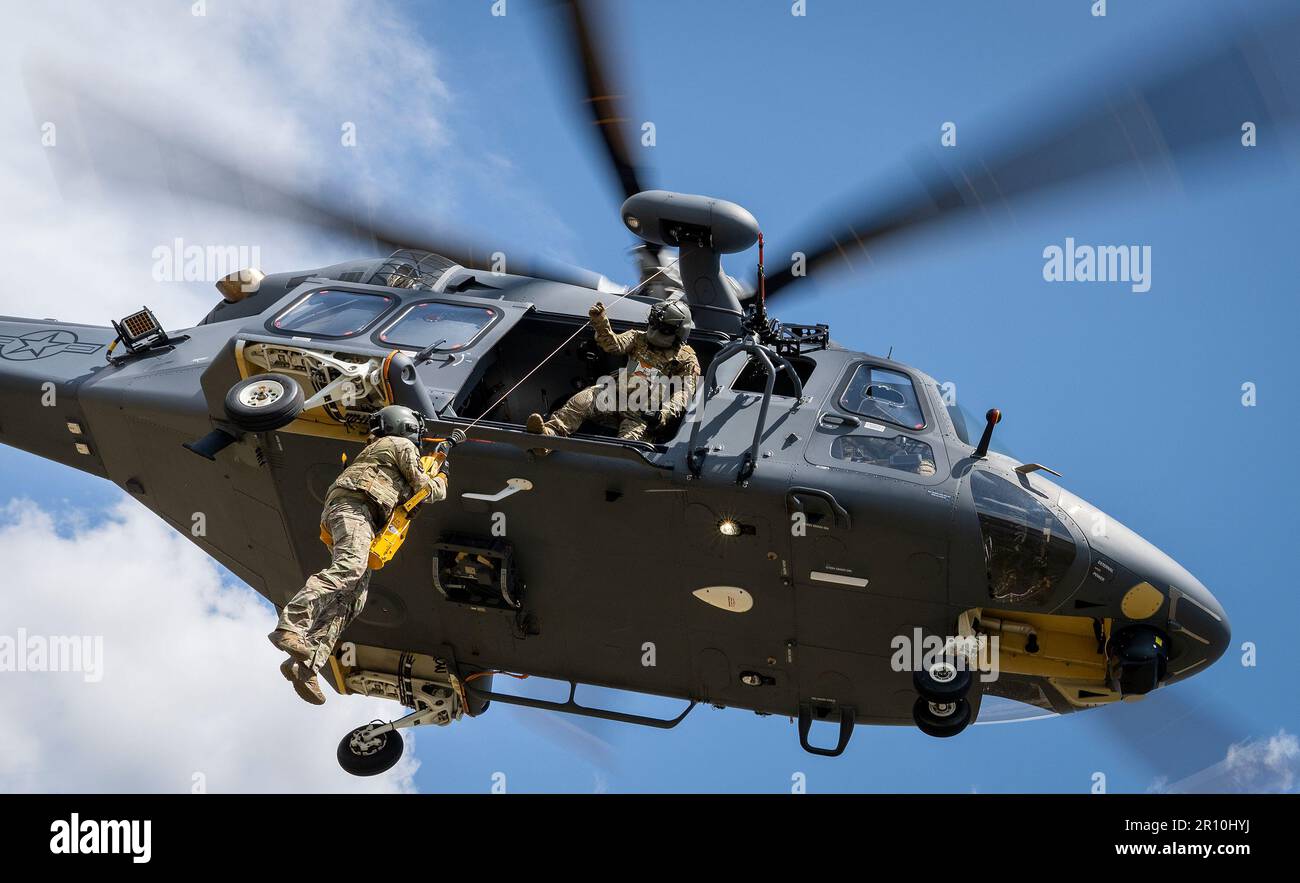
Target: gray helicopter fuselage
637,568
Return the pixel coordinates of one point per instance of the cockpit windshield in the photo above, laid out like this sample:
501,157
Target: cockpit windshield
1027,549
881,394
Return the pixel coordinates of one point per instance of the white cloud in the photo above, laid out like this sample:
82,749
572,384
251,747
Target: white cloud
190,683
1256,766
267,83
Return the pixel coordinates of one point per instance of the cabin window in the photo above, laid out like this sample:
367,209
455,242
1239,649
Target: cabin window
329,313
900,452
1027,549
882,394
450,326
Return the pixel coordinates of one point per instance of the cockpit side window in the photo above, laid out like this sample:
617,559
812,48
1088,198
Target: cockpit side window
450,326
1027,549
883,394
900,452
329,313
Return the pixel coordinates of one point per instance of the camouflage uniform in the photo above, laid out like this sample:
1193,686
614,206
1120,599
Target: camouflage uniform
644,364
359,501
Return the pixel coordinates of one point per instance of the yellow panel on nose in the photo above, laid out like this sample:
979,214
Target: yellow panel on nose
1141,601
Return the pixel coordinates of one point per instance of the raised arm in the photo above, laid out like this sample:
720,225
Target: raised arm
606,339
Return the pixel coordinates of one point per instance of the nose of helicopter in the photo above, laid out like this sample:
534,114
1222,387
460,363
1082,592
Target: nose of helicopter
1157,590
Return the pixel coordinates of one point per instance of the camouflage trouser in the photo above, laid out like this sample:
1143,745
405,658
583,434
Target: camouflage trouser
331,599
585,405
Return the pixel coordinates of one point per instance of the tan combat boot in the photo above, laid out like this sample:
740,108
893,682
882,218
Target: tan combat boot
288,642
307,687
537,425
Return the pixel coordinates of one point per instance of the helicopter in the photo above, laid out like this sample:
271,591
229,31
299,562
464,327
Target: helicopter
819,502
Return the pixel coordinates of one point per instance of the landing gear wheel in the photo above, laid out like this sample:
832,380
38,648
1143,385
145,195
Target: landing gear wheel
941,719
363,755
942,682
264,402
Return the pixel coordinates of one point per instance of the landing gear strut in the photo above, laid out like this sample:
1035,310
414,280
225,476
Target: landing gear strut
421,683
377,747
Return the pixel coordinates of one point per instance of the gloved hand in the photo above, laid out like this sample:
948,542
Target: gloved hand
597,312
444,473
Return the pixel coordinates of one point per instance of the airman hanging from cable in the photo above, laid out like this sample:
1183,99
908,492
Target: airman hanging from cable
358,503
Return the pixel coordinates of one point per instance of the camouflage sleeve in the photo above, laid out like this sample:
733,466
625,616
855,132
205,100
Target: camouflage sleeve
408,461
685,383
438,488
610,342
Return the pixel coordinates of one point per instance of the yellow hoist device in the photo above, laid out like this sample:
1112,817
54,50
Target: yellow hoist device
391,536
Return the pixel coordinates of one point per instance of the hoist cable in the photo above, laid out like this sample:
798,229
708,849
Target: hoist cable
566,342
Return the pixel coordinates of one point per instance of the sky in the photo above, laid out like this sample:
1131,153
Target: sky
462,115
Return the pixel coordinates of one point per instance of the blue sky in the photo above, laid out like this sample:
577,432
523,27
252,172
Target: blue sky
1135,398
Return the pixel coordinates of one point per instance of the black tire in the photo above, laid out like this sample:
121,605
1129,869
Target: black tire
264,402
947,686
378,759
938,723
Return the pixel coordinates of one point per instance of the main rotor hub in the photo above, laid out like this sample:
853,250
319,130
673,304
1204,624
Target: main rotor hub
679,220
702,229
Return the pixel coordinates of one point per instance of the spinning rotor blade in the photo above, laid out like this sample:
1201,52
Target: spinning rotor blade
998,710
584,738
1146,121
126,148
1175,735
581,34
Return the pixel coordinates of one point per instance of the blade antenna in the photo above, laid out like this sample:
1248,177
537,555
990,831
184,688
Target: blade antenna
760,306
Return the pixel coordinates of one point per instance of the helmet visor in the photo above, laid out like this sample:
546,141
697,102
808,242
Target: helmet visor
661,333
